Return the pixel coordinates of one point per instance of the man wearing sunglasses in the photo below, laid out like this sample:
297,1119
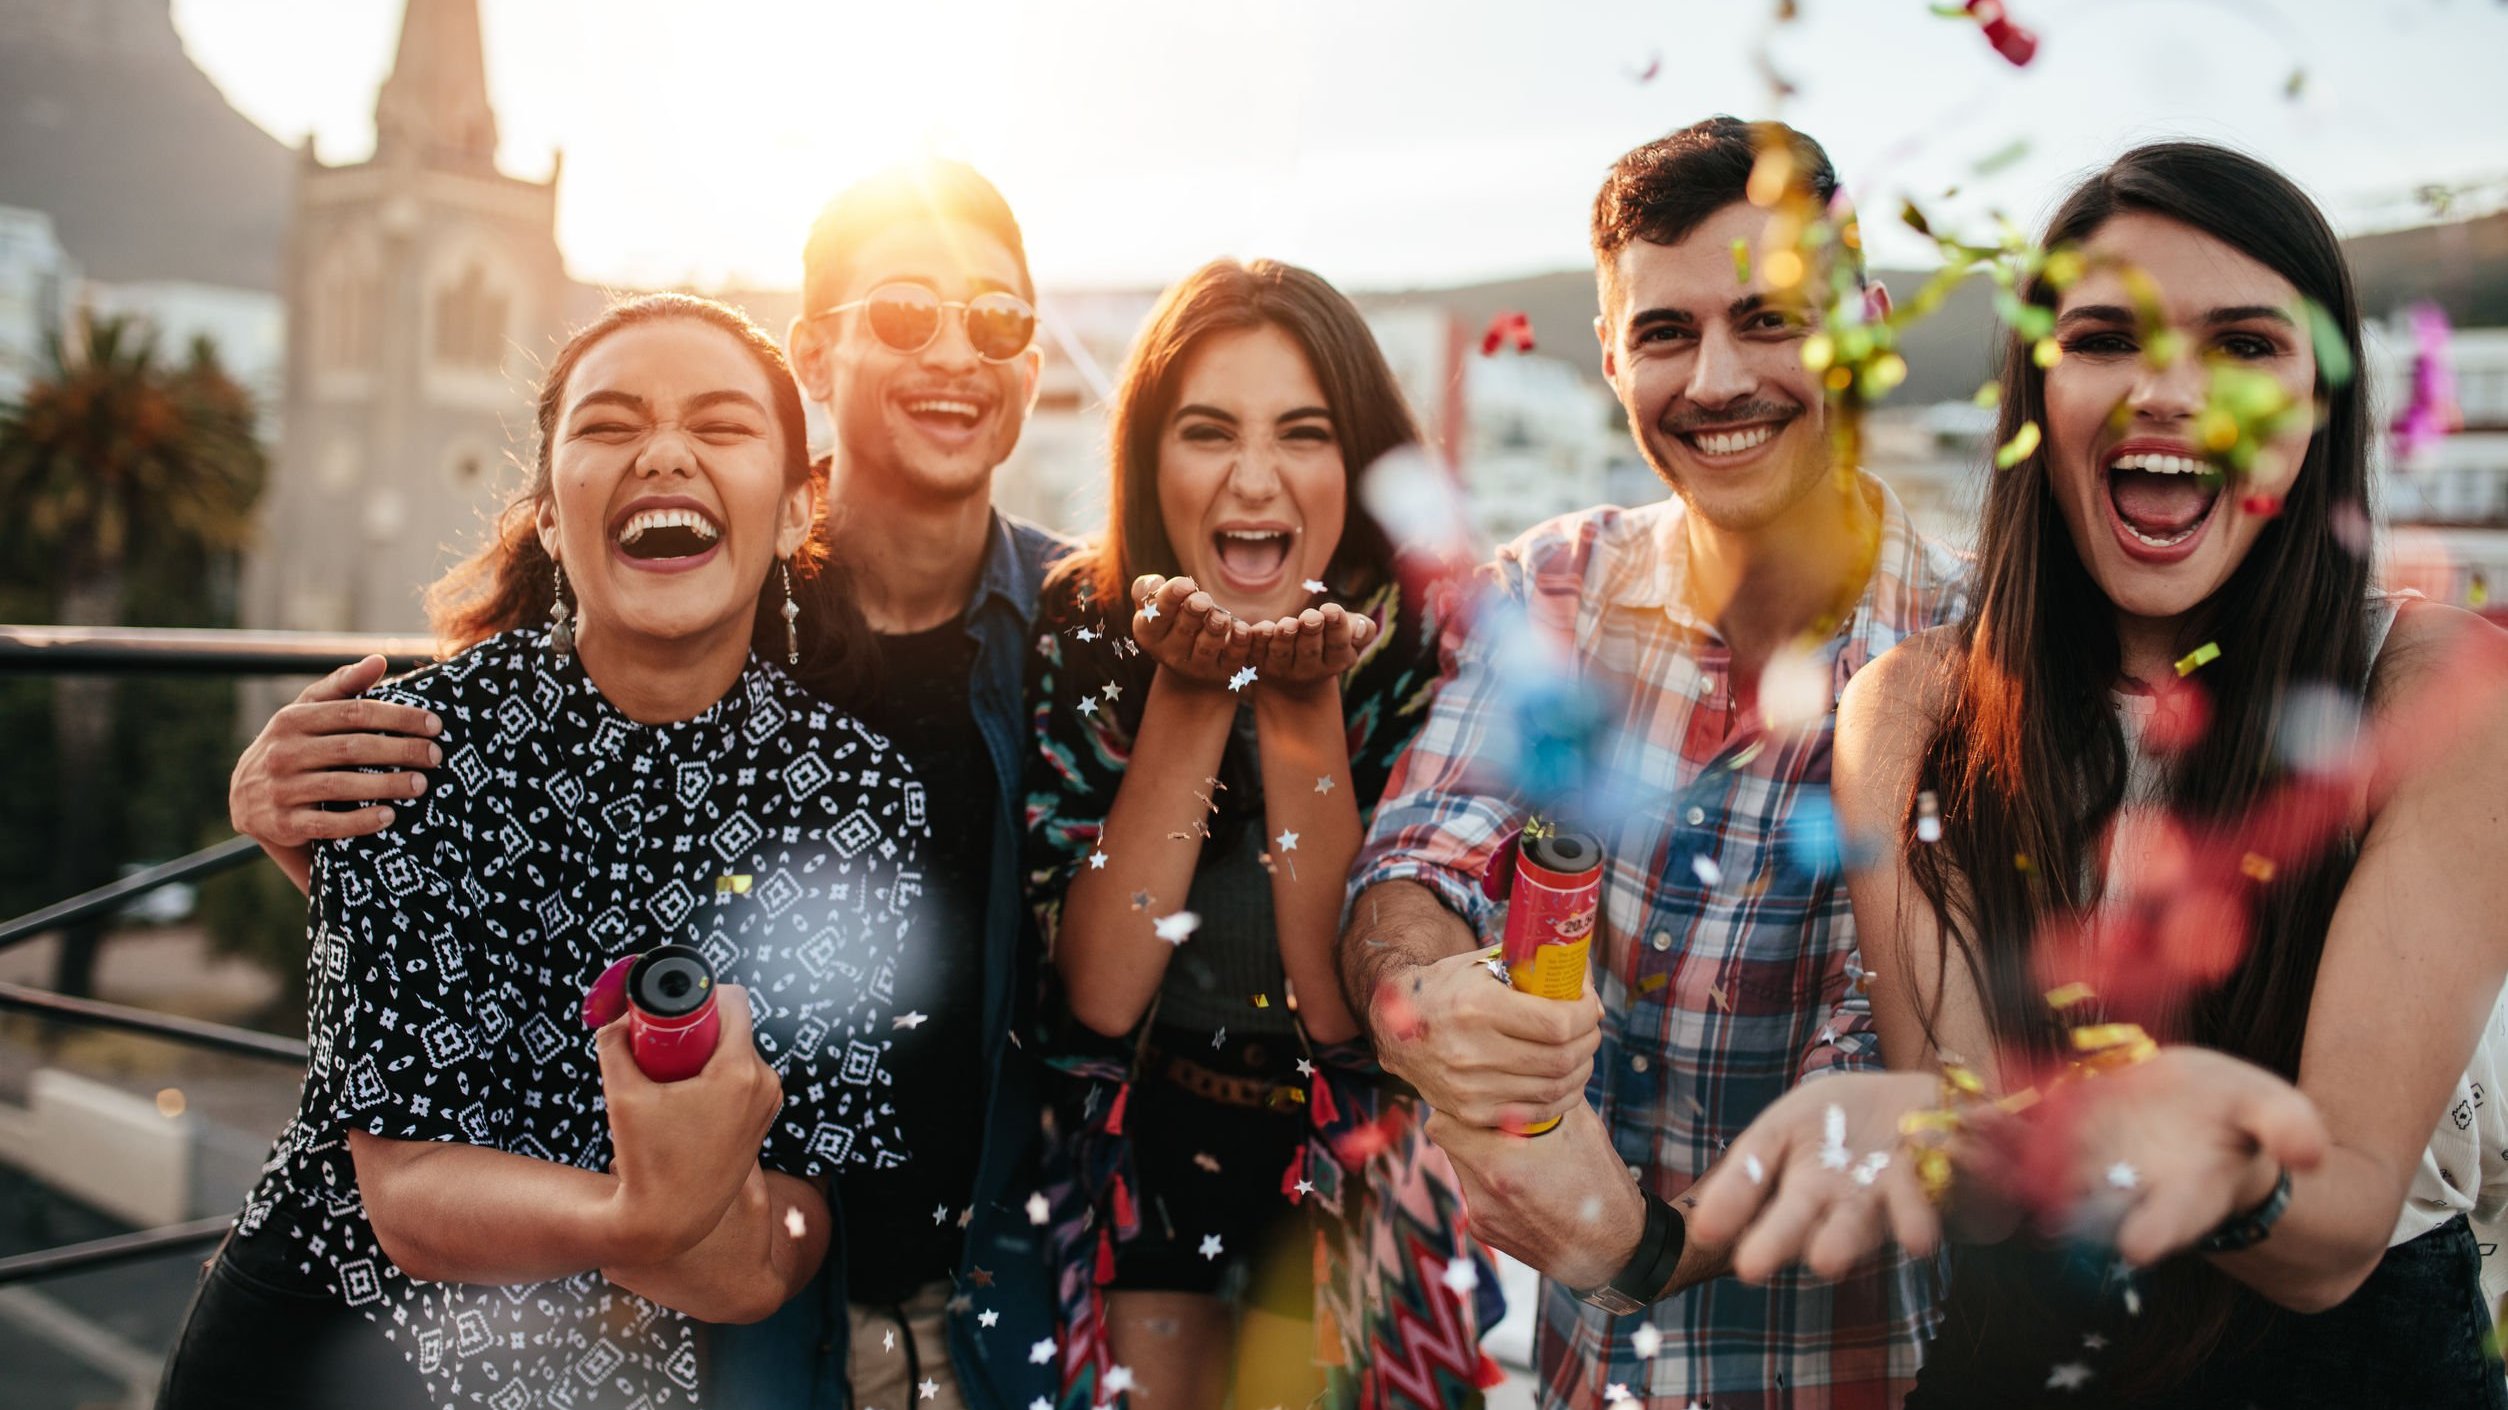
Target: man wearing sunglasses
917,340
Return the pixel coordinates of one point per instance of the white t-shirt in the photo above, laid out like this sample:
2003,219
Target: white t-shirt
2465,1168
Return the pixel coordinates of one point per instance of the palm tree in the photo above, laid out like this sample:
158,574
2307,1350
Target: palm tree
112,458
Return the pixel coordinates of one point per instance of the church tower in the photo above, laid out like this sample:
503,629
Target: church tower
424,291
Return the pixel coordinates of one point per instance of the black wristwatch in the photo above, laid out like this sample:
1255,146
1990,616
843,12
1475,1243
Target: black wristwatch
2246,1230
1649,1270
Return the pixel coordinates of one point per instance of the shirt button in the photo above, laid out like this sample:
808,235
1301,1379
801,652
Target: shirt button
1637,1063
1662,940
1635,1174
1695,815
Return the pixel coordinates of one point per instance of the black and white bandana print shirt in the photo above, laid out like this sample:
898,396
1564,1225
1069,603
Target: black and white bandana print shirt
451,953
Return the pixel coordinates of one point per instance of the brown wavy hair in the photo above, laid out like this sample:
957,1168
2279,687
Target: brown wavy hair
1369,415
509,582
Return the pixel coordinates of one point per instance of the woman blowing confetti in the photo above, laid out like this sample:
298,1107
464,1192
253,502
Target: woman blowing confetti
1222,685
2181,887
480,1201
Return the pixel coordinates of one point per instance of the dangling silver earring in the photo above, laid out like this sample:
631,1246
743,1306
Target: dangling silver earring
792,619
561,633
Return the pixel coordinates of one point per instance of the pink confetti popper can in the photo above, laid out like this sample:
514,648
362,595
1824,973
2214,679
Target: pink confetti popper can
667,994
1552,908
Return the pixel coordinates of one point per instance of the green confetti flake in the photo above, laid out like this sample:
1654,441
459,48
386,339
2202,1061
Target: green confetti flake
2022,445
2198,658
1741,261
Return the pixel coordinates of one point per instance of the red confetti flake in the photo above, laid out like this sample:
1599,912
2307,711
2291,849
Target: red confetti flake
1511,327
2262,506
2009,40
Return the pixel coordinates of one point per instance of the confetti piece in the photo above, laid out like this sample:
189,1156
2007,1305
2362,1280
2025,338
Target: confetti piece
2257,867
1314,585
1287,840
909,1021
794,1224
888,1340
2072,1375
1088,706
1716,992
2122,1176
1118,1379
1324,784
2017,46
1928,816
1149,609
2022,864
1112,692
1241,679
1219,1039
1741,275
1177,928
1770,175
1210,1247
1708,873
1097,861
2198,658
1041,1353
2022,445
2262,506
2431,414
2295,85
1040,1208
2007,155
1460,1276
1142,900
1510,328
987,1317
733,885
1654,65
1757,1172
1646,1341
1653,983
1616,1393
2046,352
2065,996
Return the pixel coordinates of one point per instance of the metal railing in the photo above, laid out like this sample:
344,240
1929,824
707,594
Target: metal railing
54,651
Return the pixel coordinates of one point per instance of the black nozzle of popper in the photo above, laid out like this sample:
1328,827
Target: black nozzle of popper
670,980
1567,853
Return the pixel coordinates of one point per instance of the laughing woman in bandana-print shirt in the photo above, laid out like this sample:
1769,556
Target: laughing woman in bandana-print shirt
479,1201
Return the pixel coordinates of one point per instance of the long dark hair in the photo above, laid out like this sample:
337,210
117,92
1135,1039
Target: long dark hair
509,582
2029,760
1369,415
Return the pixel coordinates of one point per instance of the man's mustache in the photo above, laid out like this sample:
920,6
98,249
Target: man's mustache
1743,414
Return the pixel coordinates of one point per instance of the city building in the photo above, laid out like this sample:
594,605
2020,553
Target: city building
426,285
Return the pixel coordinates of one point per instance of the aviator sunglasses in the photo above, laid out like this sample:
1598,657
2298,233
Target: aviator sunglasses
907,317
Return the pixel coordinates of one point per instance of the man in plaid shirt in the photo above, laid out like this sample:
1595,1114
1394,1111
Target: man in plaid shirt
1713,631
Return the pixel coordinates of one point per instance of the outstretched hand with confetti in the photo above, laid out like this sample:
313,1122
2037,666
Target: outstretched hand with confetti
1822,1178
1313,647
1185,632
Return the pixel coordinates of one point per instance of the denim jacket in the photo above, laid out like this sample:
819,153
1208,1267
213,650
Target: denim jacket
796,1358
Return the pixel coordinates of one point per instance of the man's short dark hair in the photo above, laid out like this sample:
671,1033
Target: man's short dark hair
931,189
1662,191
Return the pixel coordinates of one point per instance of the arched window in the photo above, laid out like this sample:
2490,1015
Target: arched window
470,316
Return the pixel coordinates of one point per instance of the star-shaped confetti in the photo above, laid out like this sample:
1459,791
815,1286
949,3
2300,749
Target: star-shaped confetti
987,1317
1040,1208
1314,585
1118,1379
2092,1341
1647,1342
940,1215
1460,1276
1242,679
1305,1068
794,1223
1304,1188
2123,1176
909,1021
1615,1393
888,1340
1040,1403
1088,706
1112,691
1097,861
1149,609
1287,840
1142,900
1086,634
1178,928
1041,1353
1324,784
1219,1039
1210,1247
928,1389
2072,1375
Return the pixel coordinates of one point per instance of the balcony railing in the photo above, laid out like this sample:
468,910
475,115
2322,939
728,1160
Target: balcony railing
54,651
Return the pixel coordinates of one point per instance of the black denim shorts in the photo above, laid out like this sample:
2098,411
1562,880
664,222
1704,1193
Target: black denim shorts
249,1344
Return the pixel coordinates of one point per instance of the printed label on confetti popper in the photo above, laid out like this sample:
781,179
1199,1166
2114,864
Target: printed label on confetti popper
1551,912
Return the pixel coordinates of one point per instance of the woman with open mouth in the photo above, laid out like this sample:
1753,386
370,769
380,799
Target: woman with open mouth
1224,680
481,1200
2183,867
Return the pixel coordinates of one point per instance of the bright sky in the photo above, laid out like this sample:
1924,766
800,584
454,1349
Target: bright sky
1382,142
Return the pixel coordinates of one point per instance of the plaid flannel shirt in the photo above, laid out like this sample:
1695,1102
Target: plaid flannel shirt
1724,983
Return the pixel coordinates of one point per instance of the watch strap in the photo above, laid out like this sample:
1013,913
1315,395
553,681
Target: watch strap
2249,1228
1650,1267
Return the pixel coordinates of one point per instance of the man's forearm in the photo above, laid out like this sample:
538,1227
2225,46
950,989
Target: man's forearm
1395,925
1700,1260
